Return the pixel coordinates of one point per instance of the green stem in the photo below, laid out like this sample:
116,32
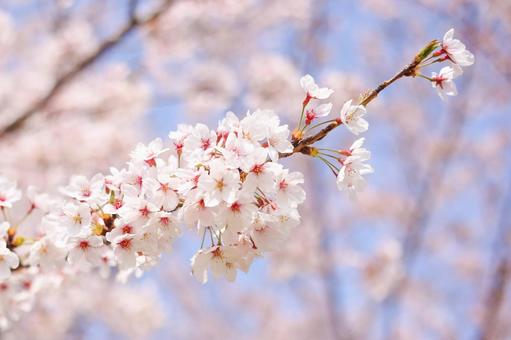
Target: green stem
203,238
322,123
431,63
327,149
332,167
211,236
331,156
301,117
425,77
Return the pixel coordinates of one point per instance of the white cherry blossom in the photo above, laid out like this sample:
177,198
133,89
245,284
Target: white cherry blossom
320,111
86,248
8,193
313,90
289,190
456,50
220,185
76,218
221,261
148,154
352,118
444,81
86,190
351,175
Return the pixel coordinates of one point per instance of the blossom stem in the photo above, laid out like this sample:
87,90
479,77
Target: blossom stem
29,212
332,167
434,61
322,123
331,156
425,77
4,214
203,238
301,117
428,58
211,236
327,149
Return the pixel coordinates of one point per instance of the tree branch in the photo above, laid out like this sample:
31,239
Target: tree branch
494,300
70,75
302,146
496,294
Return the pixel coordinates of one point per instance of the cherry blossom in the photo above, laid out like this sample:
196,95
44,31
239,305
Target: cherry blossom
220,185
46,254
350,177
8,193
76,218
227,184
312,90
456,50
444,81
86,248
222,261
352,117
320,111
85,190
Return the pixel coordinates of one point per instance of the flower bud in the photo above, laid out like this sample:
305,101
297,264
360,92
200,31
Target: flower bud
426,51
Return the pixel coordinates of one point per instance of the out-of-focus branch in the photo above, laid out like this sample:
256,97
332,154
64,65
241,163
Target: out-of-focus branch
81,66
495,295
494,299
302,146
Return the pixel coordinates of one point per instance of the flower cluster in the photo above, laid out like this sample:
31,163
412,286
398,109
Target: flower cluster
225,184
348,165
455,52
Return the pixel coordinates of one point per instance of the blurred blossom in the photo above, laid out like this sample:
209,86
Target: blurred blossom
271,79
383,271
131,312
211,87
6,32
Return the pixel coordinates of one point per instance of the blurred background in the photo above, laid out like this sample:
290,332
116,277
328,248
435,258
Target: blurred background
422,254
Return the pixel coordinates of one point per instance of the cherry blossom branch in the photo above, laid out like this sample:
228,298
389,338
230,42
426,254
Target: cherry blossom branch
225,181
302,146
70,75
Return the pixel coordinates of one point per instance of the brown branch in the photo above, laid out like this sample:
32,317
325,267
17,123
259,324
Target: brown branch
302,146
495,295
494,300
81,66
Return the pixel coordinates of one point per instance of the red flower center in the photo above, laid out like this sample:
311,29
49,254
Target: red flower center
83,245
127,229
125,244
257,169
236,207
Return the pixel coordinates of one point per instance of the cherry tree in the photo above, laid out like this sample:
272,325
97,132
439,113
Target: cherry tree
207,182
